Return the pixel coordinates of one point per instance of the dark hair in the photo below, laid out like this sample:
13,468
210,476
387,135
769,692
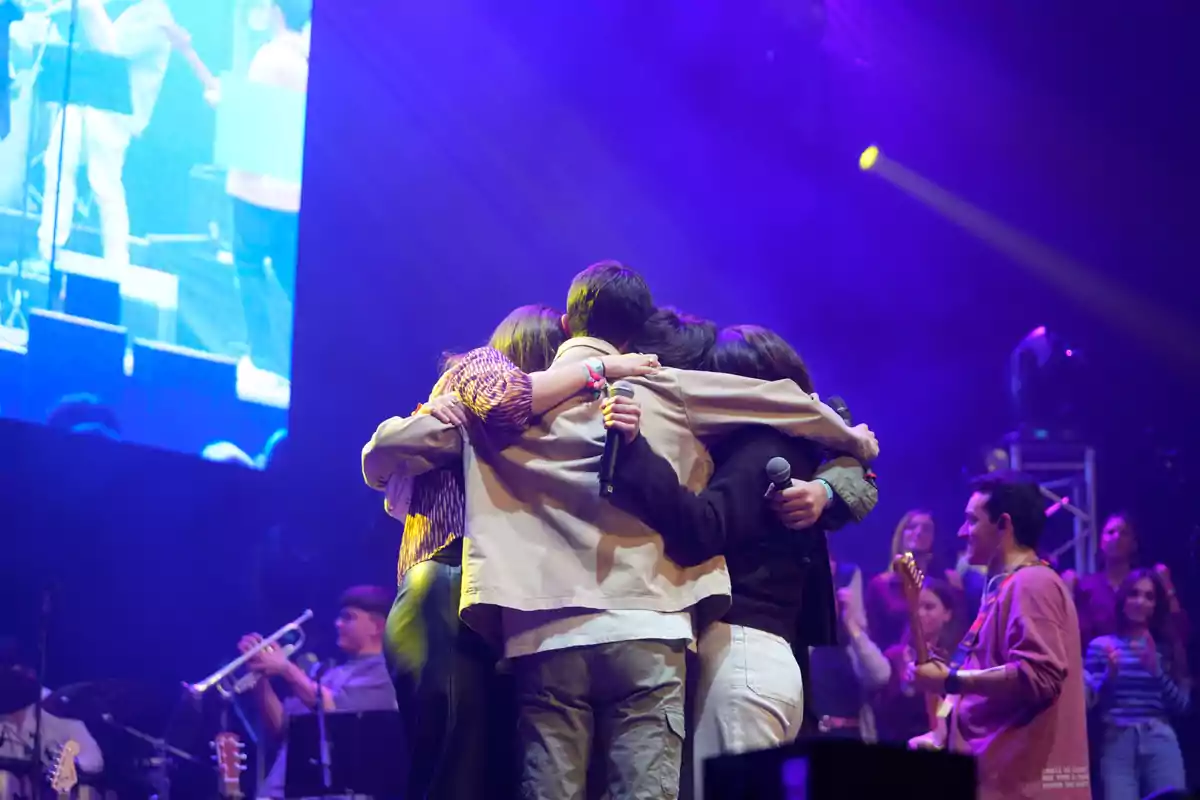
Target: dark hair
529,337
13,653
952,599
1160,620
1018,496
84,413
609,301
757,352
296,13
679,339
371,599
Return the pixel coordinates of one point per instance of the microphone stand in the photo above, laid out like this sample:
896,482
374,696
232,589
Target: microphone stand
43,641
322,736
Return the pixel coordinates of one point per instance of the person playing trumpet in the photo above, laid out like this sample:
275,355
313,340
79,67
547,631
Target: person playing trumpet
361,683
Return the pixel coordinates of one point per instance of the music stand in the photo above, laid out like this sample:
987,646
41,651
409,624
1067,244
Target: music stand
86,78
367,755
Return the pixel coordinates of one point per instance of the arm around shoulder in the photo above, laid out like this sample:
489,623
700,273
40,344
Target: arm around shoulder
408,446
716,403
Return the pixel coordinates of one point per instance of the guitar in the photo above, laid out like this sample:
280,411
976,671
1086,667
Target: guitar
231,763
63,776
911,581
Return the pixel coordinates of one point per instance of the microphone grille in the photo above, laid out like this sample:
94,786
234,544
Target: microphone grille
779,470
620,389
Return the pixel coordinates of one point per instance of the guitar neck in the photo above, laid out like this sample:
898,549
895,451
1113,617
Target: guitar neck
921,651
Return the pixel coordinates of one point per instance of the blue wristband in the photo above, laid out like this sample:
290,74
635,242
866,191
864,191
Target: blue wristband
828,488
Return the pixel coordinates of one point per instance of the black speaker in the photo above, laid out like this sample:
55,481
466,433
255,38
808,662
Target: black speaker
833,769
92,297
175,368
68,355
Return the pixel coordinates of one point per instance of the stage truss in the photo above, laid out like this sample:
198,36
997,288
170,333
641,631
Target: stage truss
1066,473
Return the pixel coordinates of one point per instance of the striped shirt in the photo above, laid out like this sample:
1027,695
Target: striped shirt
1135,693
501,396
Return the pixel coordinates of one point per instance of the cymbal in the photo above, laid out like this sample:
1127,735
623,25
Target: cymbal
94,699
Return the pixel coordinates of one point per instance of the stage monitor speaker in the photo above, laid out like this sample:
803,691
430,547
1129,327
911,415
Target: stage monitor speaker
831,769
173,368
93,298
68,355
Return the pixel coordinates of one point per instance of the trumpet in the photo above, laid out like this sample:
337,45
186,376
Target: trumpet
227,680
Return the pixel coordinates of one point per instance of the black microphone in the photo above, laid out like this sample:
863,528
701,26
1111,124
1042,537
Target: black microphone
779,472
840,408
612,442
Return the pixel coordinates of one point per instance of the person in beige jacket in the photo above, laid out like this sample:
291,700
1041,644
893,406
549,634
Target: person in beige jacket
593,616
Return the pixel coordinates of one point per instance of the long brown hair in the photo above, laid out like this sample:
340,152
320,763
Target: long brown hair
530,336
1160,621
952,599
1160,624
898,535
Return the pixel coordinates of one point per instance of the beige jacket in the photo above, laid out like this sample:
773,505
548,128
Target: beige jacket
538,535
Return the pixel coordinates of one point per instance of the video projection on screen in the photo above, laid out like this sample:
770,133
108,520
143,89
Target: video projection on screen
150,176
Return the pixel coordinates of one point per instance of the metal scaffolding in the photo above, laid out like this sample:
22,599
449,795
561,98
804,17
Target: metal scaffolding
1066,473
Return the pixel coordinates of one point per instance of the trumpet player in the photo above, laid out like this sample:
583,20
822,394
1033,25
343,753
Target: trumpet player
361,683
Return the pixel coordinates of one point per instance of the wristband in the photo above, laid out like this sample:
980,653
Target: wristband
828,489
595,373
953,684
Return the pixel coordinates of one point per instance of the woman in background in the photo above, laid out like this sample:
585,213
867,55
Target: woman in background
887,610
1138,678
1096,594
900,713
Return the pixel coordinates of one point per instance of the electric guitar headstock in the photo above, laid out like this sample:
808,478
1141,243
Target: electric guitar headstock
911,581
63,776
231,763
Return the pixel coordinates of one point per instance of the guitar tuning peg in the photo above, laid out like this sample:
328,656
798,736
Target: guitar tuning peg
212,745
241,767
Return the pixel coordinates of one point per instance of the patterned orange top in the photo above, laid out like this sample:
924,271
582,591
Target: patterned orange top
500,395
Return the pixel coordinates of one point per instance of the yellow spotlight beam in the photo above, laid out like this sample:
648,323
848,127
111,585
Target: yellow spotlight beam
1148,320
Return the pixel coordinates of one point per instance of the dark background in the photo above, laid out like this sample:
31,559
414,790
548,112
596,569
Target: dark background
469,156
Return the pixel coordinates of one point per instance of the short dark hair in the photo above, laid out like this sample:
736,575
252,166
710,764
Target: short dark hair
296,13
84,413
609,301
371,599
1017,495
679,339
530,337
756,352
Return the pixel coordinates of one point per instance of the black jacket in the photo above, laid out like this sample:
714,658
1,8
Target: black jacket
780,578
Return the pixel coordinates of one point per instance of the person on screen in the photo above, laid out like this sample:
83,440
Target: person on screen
10,12
266,208
104,136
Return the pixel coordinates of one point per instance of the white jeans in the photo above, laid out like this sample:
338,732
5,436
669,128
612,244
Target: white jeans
750,696
105,136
